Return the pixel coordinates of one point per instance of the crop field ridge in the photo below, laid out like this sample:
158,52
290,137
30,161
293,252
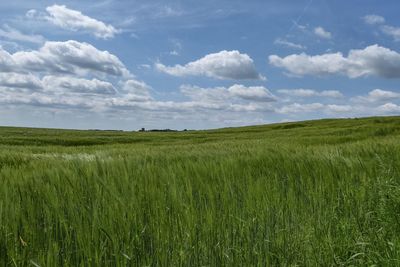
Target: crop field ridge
311,193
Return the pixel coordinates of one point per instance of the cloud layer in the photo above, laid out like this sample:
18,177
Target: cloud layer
77,85
311,93
238,91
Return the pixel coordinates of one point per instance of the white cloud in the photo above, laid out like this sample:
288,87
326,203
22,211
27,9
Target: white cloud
286,43
128,102
65,93
66,75
373,19
311,93
377,95
16,81
32,13
66,57
218,94
338,108
392,31
10,45
7,63
137,90
186,107
223,65
303,64
74,20
299,108
254,93
322,33
77,85
373,60
39,99
15,35
331,93
331,109
77,76
70,93
177,47
144,66
389,108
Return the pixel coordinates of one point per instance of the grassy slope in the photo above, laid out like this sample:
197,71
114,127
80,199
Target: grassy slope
315,193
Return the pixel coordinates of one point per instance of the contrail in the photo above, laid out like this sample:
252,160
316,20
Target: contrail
296,22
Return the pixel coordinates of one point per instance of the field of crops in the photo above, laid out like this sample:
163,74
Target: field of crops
315,193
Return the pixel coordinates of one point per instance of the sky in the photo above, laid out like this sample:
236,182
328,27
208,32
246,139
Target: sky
157,64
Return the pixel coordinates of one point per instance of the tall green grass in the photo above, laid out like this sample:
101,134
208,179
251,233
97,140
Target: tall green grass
316,193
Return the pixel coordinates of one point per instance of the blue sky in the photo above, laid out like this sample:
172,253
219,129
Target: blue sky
119,64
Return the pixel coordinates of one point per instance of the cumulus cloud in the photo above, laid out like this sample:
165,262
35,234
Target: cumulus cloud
40,99
378,95
394,32
322,33
64,57
67,93
59,75
16,81
77,76
136,90
389,108
222,65
74,20
311,93
7,63
217,94
373,60
303,64
373,19
77,85
67,75
15,35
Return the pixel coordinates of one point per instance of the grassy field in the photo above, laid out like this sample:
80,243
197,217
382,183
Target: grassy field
315,193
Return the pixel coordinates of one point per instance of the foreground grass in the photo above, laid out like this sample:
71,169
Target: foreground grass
318,193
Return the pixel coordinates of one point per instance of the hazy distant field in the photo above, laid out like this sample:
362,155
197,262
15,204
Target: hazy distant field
317,193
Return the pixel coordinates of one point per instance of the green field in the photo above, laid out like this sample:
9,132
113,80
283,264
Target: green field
314,193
